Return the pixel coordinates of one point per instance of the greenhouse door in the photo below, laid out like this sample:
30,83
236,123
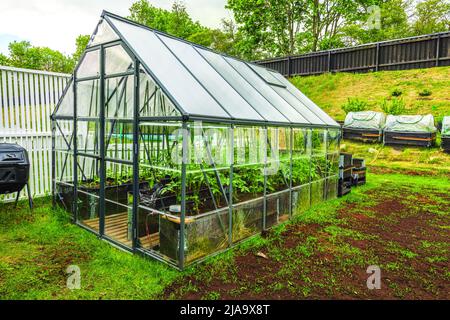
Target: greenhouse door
118,152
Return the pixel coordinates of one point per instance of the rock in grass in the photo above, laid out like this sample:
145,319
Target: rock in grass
262,255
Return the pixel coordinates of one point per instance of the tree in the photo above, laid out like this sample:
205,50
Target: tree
267,27
286,27
4,61
394,24
81,43
432,16
176,22
23,55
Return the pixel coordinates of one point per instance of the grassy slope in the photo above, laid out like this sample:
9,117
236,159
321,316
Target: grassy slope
330,91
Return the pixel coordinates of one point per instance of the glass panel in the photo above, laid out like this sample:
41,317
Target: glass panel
228,98
207,189
104,34
153,102
88,99
318,141
90,65
64,164
318,166
247,219
208,171
119,140
160,192
206,235
65,107
333,137
88,192
332,188
267,91
64,136
299,106
248,181
119,97
301,157
301,199
88,138
243,87
278,175
306,101
301,170
169,71
117,60
119,202
266,75
317,191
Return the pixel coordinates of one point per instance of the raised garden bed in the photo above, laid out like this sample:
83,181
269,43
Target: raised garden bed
417,139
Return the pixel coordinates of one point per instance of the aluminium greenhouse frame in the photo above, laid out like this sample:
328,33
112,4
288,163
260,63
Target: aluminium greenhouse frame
329,133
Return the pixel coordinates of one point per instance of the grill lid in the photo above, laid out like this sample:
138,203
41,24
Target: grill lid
11,152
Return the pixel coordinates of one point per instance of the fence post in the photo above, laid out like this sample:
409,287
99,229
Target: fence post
289,66
329,61
377,57
438,51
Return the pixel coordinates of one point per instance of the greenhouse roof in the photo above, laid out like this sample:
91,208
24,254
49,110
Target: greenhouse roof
205,85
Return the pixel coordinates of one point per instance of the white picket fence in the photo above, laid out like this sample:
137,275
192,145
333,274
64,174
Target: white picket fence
27,99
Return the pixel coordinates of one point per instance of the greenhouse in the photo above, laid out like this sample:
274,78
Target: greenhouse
445,134
168,149
410,130
364,125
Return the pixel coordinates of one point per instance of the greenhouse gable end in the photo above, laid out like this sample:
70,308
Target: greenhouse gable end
169,149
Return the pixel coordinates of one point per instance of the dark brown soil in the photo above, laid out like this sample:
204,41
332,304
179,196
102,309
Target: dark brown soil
403,232
385,170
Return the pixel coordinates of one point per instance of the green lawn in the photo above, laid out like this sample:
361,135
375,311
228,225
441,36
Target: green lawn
307,258
36,248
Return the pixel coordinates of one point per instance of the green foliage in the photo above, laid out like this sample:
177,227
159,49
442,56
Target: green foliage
354,105
4,61
394,24
177,22
396,92
81,43
395,106
432,16
425,93
274,27
23,55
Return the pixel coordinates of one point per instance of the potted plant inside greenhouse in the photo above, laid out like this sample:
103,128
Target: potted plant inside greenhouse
170,150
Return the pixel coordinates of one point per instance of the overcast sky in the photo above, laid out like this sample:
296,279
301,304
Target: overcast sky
56,23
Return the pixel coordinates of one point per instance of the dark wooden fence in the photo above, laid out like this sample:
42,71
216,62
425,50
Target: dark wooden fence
409,53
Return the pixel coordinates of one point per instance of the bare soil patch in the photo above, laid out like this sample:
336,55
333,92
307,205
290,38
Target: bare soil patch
403,231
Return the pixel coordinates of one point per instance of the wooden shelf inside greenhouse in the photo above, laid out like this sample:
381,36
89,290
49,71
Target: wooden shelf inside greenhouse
116,227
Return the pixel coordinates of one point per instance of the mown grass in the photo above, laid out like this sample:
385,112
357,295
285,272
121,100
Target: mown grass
36,248
400,159
331,91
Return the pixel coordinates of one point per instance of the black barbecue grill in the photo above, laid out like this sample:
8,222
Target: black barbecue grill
14,170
